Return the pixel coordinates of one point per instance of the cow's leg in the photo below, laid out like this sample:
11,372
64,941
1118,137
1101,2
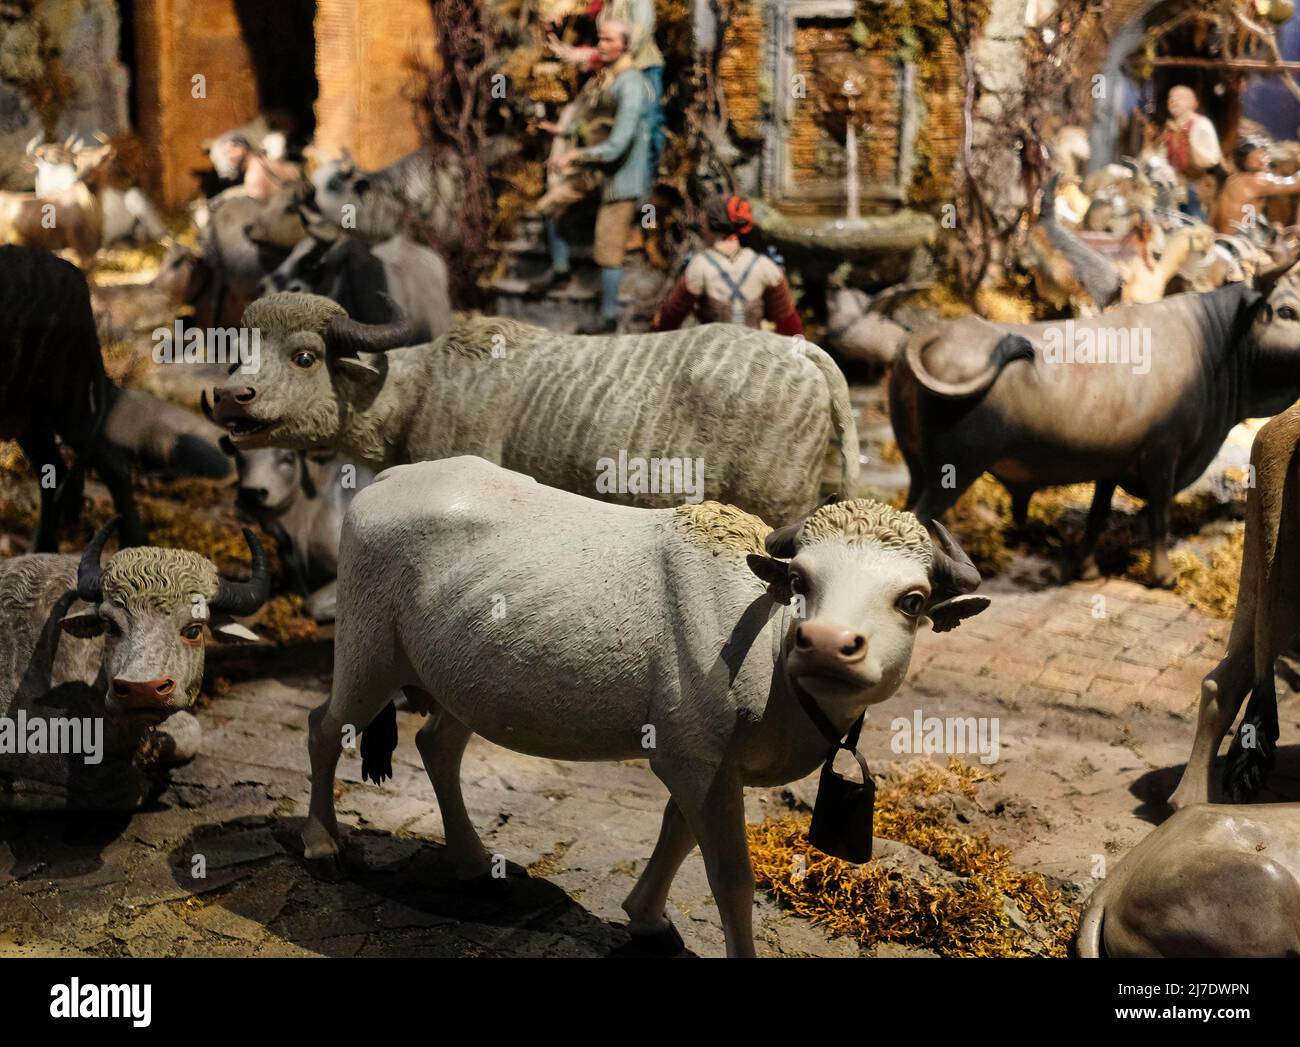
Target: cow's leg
1020,496
943,489
356,698
1160,494
1098,514
325,743
713,804
646,906
42,452
1222,692
115,471
442,742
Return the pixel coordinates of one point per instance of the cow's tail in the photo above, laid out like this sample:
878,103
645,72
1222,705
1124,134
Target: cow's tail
1008,348
378,742
842,418
1088,944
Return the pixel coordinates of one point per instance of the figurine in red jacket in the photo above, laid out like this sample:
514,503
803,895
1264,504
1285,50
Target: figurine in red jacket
728,282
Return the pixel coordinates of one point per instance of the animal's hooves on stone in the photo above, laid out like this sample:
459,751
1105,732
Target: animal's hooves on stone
661,944
328,868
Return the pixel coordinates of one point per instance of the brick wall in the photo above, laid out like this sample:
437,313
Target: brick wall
176,40
362,52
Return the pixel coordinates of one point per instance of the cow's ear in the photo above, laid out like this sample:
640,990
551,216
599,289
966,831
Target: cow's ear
235,631
951,613
83,624
358,370
365,377
773,573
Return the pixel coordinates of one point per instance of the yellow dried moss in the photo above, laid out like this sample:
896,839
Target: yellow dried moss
282,620
981,522
877,905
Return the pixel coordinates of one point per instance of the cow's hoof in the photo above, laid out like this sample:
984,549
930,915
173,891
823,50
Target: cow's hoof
327,868
1165,579
663,944
1246,769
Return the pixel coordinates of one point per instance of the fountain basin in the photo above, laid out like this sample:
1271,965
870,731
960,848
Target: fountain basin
902,232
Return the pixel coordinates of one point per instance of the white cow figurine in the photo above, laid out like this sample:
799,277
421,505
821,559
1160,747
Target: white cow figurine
572,629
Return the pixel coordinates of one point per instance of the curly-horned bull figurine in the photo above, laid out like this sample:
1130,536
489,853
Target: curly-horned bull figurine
1141,397
121,643
718,411
626,633
1211,881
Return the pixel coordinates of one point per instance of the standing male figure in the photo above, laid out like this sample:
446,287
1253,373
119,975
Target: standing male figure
624,157
639,18
1190,143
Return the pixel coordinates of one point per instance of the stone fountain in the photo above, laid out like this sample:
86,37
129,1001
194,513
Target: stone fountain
842,104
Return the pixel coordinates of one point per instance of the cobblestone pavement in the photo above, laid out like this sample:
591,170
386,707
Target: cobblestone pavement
1094,687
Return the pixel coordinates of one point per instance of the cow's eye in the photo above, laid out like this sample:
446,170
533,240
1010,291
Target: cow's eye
1287,313
798,584
193,632
912,604
302,358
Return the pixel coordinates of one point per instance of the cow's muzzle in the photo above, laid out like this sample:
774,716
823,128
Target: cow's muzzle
831,652
231,409
145,697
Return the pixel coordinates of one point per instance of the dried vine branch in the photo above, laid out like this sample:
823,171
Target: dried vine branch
454,98
986,225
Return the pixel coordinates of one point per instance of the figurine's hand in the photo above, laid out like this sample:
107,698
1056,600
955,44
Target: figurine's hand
563,160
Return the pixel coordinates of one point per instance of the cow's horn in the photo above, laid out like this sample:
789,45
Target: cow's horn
239,598
951,571
780,543
31,146
89,571
348,337
1265,281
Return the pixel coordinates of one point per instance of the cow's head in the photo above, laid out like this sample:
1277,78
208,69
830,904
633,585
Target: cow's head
182,275
1276,328
155,608
308,266
284,219
270,478
861,577
337,182
313,373
230,154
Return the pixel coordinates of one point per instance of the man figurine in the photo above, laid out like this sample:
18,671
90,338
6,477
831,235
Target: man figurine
236,160
728,282
1190,143
623,156
639,18
1241,203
